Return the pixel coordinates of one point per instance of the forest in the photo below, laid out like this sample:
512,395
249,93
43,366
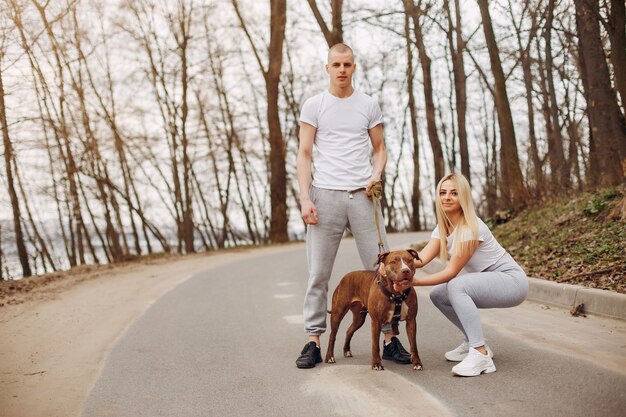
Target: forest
137,127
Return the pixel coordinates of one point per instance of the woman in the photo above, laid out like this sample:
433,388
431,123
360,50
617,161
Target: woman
491,278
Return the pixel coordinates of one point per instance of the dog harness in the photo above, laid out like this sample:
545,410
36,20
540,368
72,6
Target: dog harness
397,299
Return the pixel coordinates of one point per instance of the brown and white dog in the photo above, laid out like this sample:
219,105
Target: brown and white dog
372,292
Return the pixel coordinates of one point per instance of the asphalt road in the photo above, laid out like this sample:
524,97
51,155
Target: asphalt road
224,343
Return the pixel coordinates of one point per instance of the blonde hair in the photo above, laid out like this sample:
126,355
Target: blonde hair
467,227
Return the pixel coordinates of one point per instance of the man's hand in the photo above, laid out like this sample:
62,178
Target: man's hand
372,181
308,211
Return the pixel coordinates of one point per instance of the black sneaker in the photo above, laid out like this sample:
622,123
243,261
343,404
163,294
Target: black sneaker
395,351
309,356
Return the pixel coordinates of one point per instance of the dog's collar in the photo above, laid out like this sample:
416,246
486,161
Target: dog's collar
397,299
392,296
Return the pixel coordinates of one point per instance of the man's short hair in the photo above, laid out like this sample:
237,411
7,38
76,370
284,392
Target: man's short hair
340,48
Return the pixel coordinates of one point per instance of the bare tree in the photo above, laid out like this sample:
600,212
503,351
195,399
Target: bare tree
526,60
1,257
556,156
182,37
62,134
38,242
460,81
170,87
8,165
98,168
333,35
514,193
617,33
415,195
227,119
607,138
271,74
108,107
416,13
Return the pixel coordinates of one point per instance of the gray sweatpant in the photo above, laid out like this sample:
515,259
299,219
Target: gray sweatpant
336,210
503,284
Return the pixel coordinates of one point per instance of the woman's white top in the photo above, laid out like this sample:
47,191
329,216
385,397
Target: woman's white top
488,252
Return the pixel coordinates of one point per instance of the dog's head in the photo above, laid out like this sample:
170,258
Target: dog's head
397,266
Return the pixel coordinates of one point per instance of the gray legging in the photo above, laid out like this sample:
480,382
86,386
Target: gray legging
337,210
503,284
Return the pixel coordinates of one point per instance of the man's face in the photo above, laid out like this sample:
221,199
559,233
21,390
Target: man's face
340,67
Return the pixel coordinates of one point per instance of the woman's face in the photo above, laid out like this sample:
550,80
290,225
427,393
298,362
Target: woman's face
449,198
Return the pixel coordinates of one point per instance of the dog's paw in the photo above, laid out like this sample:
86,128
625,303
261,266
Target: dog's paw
330,359
378,367
418,367
347,354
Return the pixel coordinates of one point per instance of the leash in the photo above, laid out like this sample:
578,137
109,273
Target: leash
397,299
377,195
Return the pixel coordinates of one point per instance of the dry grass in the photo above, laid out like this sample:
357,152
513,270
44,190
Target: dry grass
574,240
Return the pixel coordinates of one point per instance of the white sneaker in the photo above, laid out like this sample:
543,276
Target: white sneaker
460,352
474,364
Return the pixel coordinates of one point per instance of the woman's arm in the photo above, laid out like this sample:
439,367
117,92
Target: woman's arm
428,253
457,262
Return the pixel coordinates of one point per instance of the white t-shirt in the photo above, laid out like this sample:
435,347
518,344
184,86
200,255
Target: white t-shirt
488,252
342,147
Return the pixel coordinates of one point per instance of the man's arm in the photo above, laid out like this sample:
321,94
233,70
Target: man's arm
303,165
380,156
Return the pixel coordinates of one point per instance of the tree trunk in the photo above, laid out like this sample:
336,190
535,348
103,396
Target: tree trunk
1,257
617,35
93,155
183,43
73,200
110,115
415,195
607,131
425,61
460,83
558,166
526,60
45,253
224,191
278,171
334,35
514,191
15,205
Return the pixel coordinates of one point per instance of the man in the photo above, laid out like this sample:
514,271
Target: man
339,128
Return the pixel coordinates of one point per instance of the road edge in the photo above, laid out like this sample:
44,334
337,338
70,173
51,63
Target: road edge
596,301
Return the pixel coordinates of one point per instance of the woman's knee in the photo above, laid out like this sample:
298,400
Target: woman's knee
439,294
456,286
